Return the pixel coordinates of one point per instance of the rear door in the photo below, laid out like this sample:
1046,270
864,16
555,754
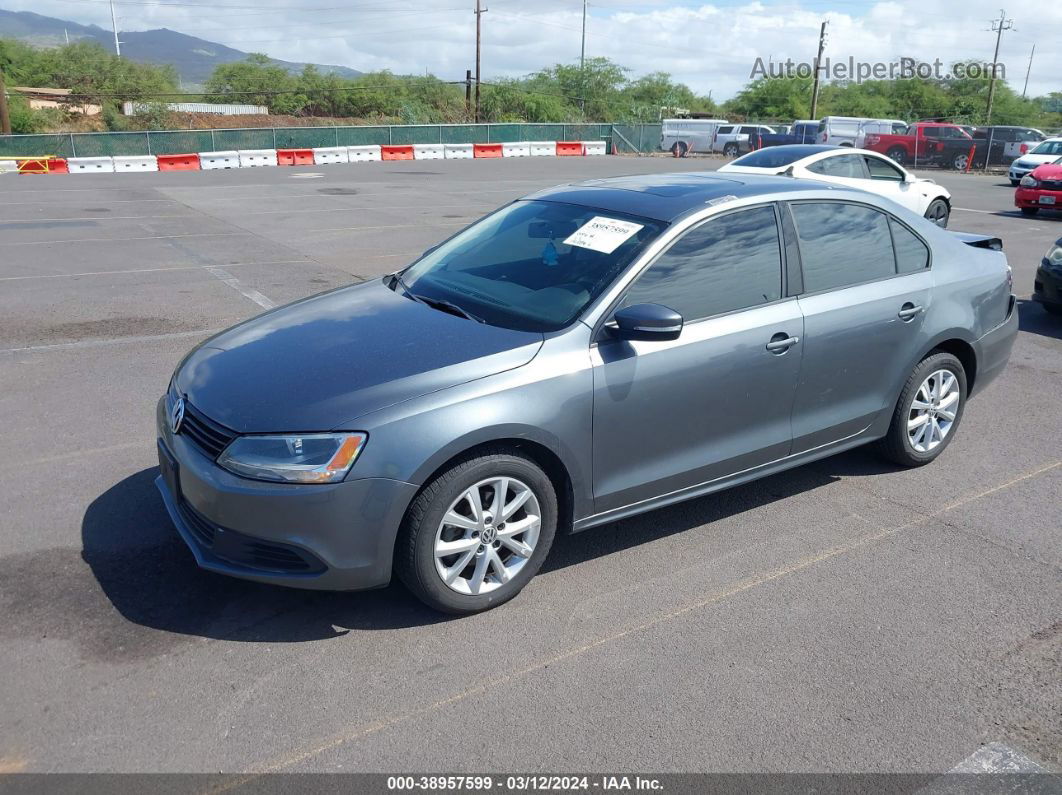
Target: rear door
863,303
884,179
669,415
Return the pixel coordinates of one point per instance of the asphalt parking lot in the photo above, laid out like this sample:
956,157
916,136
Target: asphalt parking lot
844,616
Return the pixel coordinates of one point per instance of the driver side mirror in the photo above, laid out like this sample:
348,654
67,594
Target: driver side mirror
647,322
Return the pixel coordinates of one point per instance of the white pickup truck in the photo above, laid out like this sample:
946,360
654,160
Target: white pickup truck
734,139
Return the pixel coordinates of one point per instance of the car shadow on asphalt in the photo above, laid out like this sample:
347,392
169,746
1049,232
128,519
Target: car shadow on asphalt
150,578
1034,319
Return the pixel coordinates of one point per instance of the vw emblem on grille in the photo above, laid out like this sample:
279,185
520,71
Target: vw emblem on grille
177,415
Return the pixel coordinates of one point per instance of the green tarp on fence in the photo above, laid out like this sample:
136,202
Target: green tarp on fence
629,138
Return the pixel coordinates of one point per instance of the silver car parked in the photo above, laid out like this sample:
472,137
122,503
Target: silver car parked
582,355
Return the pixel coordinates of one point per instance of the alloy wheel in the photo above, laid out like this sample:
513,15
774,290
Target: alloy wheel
933,411
487,535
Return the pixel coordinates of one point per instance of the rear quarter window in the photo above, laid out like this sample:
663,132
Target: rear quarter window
912,255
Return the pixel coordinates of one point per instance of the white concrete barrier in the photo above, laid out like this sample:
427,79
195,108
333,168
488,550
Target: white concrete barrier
517,149
90,165
249,158
327,155
594,148
542,148
209,161
428,151
124,163
363,154
7,166
458,151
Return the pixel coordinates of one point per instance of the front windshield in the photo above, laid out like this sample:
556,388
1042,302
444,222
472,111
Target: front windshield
1048,148
532,265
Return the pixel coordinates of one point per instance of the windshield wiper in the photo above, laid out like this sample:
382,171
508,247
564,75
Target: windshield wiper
446,306
435,303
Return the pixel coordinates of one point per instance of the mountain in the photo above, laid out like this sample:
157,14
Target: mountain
192,57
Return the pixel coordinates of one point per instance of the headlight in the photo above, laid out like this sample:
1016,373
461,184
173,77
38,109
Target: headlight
1054,257
294,458
1029,181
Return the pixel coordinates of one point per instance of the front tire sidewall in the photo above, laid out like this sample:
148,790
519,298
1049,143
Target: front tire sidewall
426,514
943,224
898,442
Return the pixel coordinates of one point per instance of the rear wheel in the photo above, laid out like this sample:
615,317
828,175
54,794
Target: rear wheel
959,162
730,150
679,149
475,535
1030,210
938,212
928,413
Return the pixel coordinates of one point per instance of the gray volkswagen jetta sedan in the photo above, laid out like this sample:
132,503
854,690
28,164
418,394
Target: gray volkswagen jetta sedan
588,353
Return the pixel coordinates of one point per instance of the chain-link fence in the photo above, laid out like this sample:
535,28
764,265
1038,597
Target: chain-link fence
626,138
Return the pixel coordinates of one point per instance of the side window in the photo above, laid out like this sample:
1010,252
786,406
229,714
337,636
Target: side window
842,244
912,255
849,166
749,130
931,132
899,129
725,130
879,169
728,263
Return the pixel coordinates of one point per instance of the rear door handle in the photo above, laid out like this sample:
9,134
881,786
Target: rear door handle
908,311
780,343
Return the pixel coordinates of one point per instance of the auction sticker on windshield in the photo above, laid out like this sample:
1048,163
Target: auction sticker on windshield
602,234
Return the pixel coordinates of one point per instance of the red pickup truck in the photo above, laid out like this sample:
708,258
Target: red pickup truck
924,142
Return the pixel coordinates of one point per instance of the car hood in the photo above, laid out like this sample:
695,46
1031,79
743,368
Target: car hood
321,363
1048,171
1032,161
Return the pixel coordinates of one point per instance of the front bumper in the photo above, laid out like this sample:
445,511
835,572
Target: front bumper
336,536
1030,197
993,349
1047,286
1017,172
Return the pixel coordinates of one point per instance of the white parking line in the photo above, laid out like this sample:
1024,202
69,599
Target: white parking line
997,758
246,292
59,346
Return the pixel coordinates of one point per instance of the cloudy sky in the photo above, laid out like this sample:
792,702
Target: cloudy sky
710,46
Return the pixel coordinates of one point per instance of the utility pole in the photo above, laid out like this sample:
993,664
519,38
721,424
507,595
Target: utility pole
5,119
998,26
582,65
818,62
479,17
1028,71
468,92
114,27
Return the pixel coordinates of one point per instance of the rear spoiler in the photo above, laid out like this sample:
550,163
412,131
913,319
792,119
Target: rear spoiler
980,241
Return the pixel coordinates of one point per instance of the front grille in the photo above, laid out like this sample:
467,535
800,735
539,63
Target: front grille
207,435
244,550
1051,184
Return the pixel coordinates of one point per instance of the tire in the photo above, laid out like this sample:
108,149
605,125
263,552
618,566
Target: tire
897,445
1030,210
679,149
899,154
423,527
960,161
938,212
730,150
1015,182
1053,309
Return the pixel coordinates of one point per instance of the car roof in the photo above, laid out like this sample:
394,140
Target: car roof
667,197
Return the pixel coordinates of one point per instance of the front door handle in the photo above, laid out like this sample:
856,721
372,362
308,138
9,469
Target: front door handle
780,343
908,312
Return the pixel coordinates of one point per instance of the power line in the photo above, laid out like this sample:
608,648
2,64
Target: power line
997,27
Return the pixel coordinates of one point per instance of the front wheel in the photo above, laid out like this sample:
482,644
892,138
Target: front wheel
679,149
1015,182
1030,210
960,162
1052,309
899,154
938,212
928,413
475,535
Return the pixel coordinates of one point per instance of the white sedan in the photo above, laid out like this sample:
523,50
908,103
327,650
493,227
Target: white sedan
1045,152
854,168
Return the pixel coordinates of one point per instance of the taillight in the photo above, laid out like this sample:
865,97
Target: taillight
1024,149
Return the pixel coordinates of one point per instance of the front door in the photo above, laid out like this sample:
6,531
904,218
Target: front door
715,401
